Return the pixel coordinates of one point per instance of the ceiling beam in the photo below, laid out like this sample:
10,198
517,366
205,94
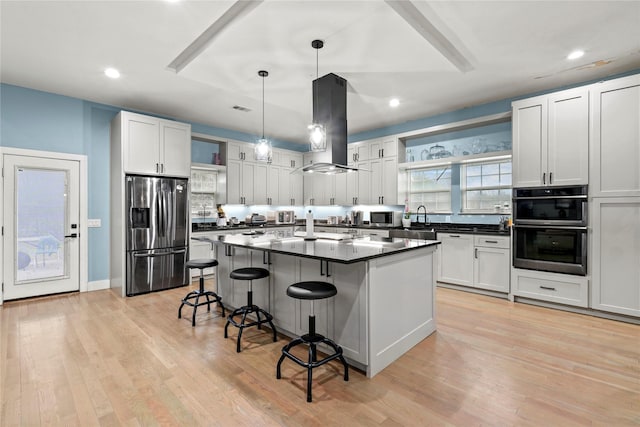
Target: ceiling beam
410,13
191,52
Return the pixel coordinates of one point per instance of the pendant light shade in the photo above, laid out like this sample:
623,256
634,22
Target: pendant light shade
263,149
317,132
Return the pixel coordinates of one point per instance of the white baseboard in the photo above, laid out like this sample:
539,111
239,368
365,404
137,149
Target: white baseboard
98,285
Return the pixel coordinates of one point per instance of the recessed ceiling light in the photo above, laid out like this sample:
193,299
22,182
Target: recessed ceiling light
112,73
394,102
575,54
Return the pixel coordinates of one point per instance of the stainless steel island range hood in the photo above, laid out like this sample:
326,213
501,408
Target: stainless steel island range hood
330,110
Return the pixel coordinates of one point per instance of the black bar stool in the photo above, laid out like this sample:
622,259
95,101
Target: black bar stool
250,274
312,291
201,264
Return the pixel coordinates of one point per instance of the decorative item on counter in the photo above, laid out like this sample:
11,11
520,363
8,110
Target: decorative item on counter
309,225
222,221
406,218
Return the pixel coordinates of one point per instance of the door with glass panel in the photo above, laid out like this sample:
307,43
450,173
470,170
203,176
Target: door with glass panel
41,226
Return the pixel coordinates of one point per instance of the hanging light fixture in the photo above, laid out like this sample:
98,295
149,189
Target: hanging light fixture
317,132
263,149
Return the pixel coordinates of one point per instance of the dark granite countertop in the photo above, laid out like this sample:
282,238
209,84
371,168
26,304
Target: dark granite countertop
347,251
438,227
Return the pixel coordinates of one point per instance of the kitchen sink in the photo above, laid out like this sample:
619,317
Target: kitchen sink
413,234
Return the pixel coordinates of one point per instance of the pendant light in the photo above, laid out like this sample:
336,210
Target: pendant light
263,149
317,132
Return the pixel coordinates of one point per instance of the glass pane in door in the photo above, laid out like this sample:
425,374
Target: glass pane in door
41,215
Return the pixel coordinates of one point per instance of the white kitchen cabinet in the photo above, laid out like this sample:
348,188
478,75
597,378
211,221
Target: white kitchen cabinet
319,189
478,261
383,147
551,139
261,188
242,151
234,292
491,263
153,146
384,181
554,287
284,272
456,258
349,310
240,182
615,255
615,138
358,152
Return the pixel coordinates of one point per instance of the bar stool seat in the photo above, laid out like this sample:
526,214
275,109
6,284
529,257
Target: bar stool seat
312,290
250,274
200,264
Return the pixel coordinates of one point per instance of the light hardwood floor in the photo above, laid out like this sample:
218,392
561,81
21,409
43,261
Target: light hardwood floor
99,359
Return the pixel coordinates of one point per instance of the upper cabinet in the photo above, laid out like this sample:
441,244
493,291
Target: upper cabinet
615,138
153,146
551,139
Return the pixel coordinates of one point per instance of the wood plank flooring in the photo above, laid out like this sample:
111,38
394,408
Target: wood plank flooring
96,359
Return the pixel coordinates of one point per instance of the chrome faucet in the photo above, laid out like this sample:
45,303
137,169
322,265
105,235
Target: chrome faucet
425,214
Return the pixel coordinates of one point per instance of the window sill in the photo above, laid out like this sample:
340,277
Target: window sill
484,213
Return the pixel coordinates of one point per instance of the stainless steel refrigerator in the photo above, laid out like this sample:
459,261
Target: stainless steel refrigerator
157,230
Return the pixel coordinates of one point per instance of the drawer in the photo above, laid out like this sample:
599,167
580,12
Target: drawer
492,241
560,288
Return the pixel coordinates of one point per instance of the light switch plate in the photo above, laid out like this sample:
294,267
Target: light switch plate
93,223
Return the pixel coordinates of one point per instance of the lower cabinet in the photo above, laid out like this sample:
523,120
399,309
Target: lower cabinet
234,292
491,263
559,288
341,318
478,261
456,258
615,255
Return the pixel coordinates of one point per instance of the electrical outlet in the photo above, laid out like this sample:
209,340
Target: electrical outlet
94,223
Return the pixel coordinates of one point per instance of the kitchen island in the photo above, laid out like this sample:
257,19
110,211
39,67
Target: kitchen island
386,289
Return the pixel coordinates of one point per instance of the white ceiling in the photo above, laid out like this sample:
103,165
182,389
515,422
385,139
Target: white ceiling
513,48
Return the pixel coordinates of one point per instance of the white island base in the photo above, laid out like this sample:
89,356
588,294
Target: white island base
385,304
401,305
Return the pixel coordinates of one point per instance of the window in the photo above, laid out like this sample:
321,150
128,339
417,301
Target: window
485,185
432,188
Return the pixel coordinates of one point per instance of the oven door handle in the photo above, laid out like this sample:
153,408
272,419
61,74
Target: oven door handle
584,196
561,227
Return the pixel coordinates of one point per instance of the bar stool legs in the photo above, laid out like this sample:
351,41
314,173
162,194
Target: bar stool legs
311,291
211,297
249,273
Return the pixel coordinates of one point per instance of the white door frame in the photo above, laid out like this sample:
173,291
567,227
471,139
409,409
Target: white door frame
83,229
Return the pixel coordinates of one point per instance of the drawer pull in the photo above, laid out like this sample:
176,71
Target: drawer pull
548,288
491,241
454,235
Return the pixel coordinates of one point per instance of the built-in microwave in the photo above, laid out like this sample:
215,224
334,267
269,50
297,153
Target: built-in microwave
385,218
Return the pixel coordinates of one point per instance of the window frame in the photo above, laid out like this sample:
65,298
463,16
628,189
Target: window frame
413,203
464,189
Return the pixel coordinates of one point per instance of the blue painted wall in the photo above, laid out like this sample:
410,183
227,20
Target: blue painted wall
38,120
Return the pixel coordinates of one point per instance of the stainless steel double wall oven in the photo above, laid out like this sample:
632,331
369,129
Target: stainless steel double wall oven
550,229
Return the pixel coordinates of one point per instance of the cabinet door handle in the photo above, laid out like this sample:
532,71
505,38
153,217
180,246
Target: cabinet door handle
544,178
550,177
162,165
475,253
548,288
382,152
157,167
